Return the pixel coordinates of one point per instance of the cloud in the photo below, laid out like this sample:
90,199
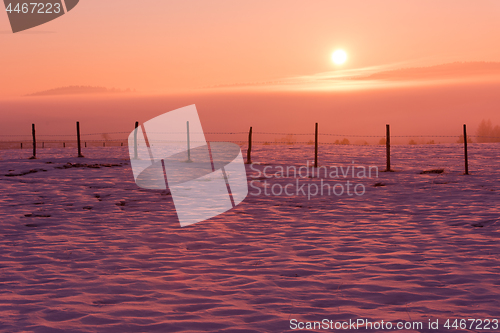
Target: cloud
79,90
379,76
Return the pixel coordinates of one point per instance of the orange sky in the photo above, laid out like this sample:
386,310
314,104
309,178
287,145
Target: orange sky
170,51
166,46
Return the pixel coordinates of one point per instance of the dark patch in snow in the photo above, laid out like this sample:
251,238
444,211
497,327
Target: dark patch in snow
437,171
484,223
85,165
36,215
24,173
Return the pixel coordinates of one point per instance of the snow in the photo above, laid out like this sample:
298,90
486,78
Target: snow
83,249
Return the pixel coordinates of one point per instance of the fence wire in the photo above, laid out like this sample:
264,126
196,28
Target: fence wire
270,145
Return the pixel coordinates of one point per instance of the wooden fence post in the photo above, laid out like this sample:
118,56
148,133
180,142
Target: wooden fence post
135,139
78,139
316,146
465,151
249,151
34,141
388,147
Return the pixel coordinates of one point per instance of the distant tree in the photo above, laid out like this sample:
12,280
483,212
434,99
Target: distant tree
461,139
344,142
382,141
431,142
496,134
412,142
289,140
487,133
483,131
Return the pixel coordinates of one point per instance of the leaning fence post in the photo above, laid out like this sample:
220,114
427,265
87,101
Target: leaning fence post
135,139
249,151
78,139
465,151
316,146
388,146
34,141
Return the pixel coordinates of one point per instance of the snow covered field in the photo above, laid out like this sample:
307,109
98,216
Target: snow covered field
83,249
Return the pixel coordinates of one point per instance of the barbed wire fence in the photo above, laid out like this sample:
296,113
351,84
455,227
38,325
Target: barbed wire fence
419,150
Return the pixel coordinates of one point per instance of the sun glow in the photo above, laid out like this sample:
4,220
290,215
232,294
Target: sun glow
339,57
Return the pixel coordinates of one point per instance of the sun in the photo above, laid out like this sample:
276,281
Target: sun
339,57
